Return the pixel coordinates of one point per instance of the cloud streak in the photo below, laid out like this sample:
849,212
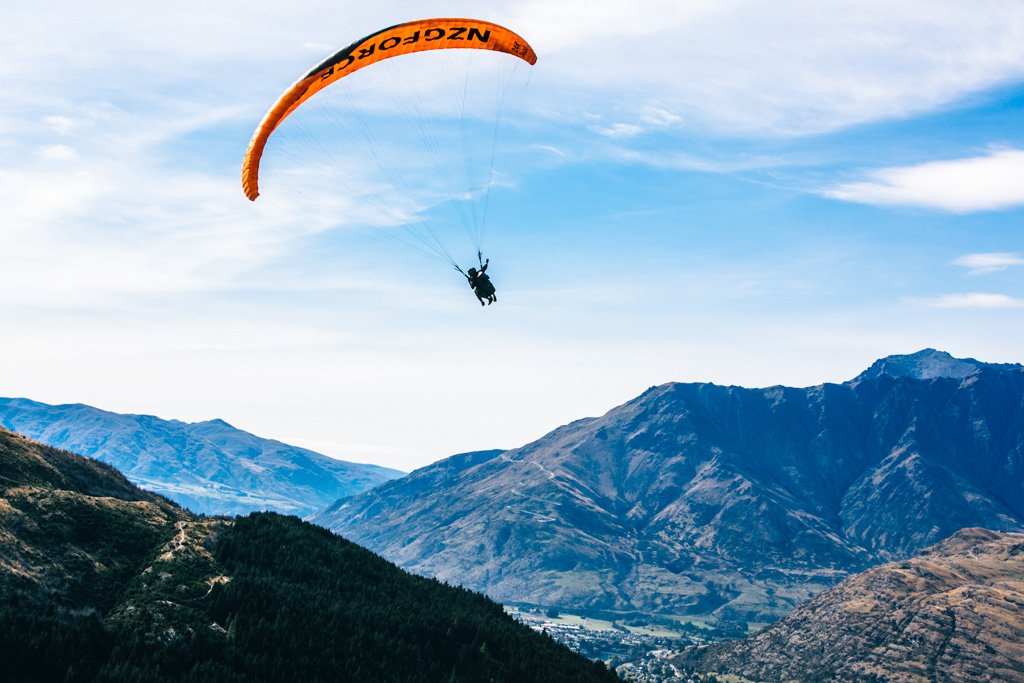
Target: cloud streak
788,68
982,264
976,300
984,183
96,218
736,66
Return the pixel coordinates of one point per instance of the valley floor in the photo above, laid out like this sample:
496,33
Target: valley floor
640,654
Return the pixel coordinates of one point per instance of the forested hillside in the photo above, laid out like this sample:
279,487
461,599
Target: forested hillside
104,582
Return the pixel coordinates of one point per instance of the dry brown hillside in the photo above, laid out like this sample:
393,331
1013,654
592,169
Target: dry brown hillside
953,613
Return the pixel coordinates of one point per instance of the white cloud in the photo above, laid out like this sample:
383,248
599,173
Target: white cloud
681,161
789,68
116,217
984,183
738,66
981,264
57,153
550,148
61,125
976,300
619,130
660,118
649,119
92,225
126,237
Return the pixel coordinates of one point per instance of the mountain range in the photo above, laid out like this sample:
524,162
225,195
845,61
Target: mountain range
102,581
953,613
209,467
712,501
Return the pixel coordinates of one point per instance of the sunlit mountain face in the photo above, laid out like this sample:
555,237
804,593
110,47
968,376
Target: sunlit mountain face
723,501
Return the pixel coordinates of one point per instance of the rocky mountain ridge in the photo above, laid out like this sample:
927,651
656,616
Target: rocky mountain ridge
928,364
209,467
700,499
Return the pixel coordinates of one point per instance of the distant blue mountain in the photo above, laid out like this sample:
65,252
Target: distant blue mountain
209,467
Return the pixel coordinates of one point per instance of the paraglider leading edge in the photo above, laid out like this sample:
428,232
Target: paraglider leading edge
413,36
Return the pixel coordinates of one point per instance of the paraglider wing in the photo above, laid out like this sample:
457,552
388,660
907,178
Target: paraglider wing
413,36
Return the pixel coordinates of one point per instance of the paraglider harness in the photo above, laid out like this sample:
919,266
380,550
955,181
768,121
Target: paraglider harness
480,282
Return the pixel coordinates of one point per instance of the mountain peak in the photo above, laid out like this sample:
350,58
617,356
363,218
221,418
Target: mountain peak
215,422
740,502
926,364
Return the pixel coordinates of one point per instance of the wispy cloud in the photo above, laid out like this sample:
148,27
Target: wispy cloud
982,264
94,220
551,149
976,300
57,153
135,271
784,68
619,130
983,183
739,66
649,118
682,161
61,125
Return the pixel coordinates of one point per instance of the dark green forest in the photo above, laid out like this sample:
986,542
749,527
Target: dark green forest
301,605
102,582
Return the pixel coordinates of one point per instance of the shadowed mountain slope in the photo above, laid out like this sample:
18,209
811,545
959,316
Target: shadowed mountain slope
953,613
209,467
102,581
705,499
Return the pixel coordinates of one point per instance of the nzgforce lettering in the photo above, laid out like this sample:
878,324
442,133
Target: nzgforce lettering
410,37
430,35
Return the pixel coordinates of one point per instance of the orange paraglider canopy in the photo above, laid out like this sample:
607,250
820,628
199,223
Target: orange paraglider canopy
413,36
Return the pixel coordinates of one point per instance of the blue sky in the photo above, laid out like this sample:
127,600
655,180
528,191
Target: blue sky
725,191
